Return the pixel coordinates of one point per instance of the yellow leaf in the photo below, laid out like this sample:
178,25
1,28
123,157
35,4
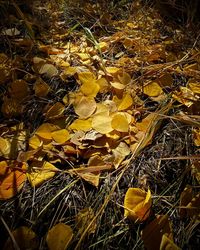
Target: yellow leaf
83,219
90,88
168,244
104,46
83,56
69,71
117,85
103,84
137,204
85,107
185,96
120,123
120,153
11,179
59,237
92,178
145,124
102,124
101,109
86,76
41,172
55,111
113,70
44,131
35,142
60,136
153,232
80,124
5,147
152,89
25,239
196,136
126,102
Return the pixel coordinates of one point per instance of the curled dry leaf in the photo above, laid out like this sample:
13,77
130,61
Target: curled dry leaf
167,244
137,204
153,232
59,237
25,239
12,178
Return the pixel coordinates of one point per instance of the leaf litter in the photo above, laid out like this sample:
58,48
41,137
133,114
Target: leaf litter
99,130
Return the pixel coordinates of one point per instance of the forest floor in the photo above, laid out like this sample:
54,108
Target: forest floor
99,128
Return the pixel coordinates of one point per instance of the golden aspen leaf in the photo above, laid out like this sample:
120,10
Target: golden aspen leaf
153,232
117,85
113,70
55,111
125,103
25,239
11,179
69,71
137,204
120,123
85,107
152,89
48,69
104,46
35,142
86,76
41,88
101,109
145,124
44,131
124,78
92,178
185,96
90,88
59,237
83,56
5,147
168,244
83,219
19,89
120,153
103,84
102,124
60,136
195,87
40,172
80,124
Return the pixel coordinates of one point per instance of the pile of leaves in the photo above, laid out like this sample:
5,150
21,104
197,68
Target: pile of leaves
99,130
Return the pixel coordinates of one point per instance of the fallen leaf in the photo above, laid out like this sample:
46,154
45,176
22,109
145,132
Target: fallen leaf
48,69
153,232
19,89
55,111
40,172
125,103
59,237
120,123
80,124
102,124
137,204
120,153
41,88
152,89
25,239
12,178
44,131
60,136
185,198
85,107
167,244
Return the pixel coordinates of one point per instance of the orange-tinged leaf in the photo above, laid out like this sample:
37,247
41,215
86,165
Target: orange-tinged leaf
60,136
83,219
120,123
126,102
168,244
44,131
25,239
11,179
85,107
55,111
41,172
152,89
59,237
145,124
80,124
102,124
153,232
137,204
